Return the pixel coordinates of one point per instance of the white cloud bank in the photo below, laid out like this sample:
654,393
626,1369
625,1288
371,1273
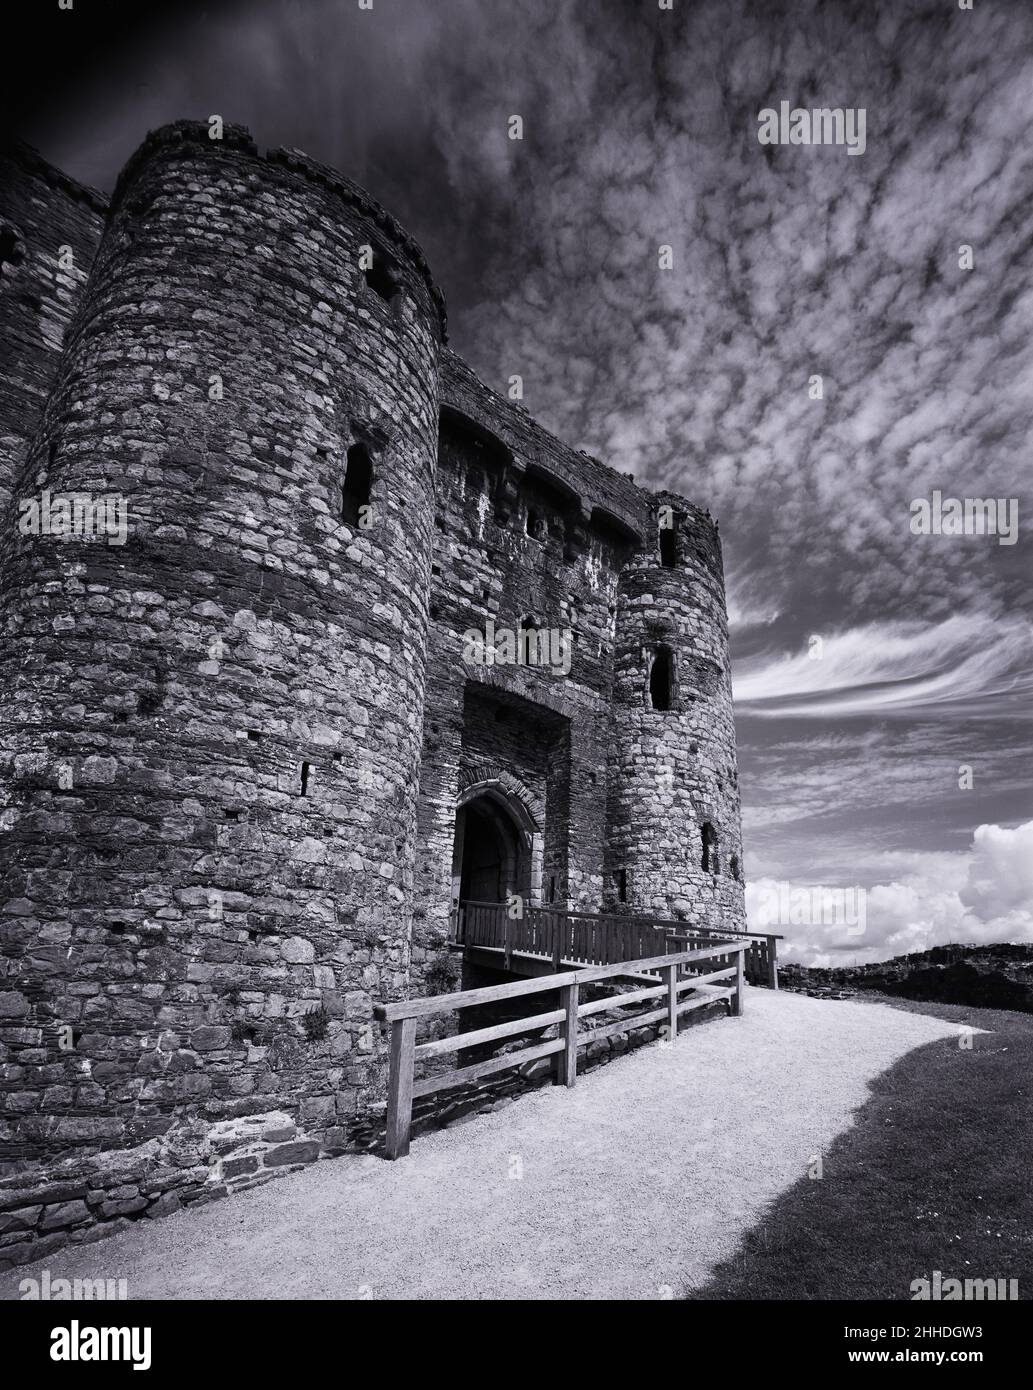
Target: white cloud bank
982,895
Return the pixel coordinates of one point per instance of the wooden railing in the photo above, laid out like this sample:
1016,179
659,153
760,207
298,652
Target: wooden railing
598,938
761,962
676,970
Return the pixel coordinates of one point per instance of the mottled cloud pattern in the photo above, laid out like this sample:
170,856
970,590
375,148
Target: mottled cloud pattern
789,262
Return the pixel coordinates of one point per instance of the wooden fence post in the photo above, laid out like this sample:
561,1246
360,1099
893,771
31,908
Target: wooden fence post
773,962
399,1094
507,942
671,972
566,1061
739,982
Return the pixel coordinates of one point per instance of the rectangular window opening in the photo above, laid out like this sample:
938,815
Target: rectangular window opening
661,679
668,546
358,483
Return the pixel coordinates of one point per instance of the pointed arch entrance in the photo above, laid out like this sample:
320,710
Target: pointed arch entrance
498,847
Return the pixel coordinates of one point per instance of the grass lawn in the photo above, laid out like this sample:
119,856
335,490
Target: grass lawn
935,1173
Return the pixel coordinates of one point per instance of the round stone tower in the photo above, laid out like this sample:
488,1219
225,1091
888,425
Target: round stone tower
674,839
215,658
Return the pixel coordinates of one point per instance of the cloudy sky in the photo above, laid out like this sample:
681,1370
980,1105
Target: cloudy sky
872,665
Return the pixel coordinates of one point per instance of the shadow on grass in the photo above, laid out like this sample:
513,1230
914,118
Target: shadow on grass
934,1174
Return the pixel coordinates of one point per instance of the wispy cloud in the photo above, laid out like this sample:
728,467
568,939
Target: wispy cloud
968,664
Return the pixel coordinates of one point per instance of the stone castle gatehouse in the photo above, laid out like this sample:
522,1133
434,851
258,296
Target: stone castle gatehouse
250,754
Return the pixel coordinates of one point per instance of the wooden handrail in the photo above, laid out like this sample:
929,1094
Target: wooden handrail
660,923
732,931
763,964
489,994
404,1014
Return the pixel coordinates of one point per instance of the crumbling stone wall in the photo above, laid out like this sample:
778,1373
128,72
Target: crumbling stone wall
232,748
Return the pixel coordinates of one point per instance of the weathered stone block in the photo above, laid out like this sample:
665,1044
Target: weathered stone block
124,1208
52,1192
64,1214
279,1134
304,1151
298,950
167,1203
21,1219
13,1004
235,1167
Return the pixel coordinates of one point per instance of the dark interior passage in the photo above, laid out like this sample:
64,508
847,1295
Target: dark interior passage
486,858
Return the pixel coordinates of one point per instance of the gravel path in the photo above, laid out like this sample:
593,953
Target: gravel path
630,1186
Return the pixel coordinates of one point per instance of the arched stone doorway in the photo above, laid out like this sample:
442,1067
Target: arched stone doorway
498,839
492,862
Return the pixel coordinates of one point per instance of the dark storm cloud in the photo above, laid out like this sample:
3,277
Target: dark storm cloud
640,130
